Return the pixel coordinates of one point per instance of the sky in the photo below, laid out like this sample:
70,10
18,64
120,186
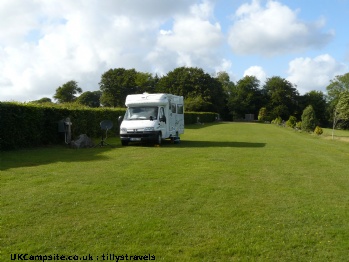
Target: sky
44,44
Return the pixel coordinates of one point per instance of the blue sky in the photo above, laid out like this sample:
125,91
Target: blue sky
44,44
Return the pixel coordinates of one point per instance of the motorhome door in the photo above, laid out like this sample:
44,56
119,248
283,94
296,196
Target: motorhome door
163,122
173,114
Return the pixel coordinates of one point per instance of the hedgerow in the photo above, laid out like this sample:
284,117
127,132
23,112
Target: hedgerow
29,125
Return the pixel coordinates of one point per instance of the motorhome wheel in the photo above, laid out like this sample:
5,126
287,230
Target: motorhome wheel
159,138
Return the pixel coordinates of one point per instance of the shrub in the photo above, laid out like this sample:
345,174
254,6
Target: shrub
277,121
262,114
308,119
299,125
291,122
318,130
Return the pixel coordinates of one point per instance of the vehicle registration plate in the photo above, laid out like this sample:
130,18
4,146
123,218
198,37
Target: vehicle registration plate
135,139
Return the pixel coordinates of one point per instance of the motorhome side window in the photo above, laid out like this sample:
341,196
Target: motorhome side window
141,113
162,113
173,108
180,109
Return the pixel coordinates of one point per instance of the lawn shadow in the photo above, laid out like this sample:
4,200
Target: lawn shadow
44,156
189,143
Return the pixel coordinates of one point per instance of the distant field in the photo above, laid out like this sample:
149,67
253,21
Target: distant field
228,192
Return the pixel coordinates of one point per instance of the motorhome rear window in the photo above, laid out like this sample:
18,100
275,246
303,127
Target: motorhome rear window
180,109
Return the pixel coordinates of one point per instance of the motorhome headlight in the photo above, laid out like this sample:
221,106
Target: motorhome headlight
147,129
123,130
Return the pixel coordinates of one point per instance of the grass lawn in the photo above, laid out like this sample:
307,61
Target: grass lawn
227,192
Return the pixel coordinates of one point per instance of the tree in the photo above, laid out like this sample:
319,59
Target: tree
42,100
67,92
193,83
246,97
308,119
282,97
116,84
224,79
338,85
341,111
317,100
197,104
91,99
145,82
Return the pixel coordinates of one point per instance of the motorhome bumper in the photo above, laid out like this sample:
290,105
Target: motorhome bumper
145,136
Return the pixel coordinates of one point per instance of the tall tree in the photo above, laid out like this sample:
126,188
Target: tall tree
341,111
224,79
282,97
67,92
337,85
116,84
228,87
145,82
196,85
245,97
317,100
91,99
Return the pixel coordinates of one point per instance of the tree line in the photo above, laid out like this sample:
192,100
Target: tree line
276,98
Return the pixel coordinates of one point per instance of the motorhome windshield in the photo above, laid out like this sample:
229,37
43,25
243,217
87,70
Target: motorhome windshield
141,113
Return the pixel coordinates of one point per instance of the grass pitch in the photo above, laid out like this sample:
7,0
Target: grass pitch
227,192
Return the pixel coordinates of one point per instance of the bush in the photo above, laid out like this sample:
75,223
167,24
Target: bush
277,121
308,119
291,122
318,130
299,125
262,114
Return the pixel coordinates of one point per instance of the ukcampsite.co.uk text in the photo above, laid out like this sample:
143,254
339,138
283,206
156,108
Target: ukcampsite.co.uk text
103,257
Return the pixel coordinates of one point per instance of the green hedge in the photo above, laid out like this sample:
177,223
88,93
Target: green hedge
204,117
30,125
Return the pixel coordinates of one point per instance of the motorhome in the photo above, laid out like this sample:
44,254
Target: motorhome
152,117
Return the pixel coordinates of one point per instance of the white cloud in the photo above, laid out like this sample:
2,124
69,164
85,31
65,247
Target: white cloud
44,44
58,41
273,29
193,41
314,73
256,71
18,18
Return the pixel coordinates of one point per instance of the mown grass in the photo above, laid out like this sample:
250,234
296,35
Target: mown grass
228,192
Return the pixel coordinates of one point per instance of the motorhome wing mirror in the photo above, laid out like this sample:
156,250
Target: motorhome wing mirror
120,119
163,119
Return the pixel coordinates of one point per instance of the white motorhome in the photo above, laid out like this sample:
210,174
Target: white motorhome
152,117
